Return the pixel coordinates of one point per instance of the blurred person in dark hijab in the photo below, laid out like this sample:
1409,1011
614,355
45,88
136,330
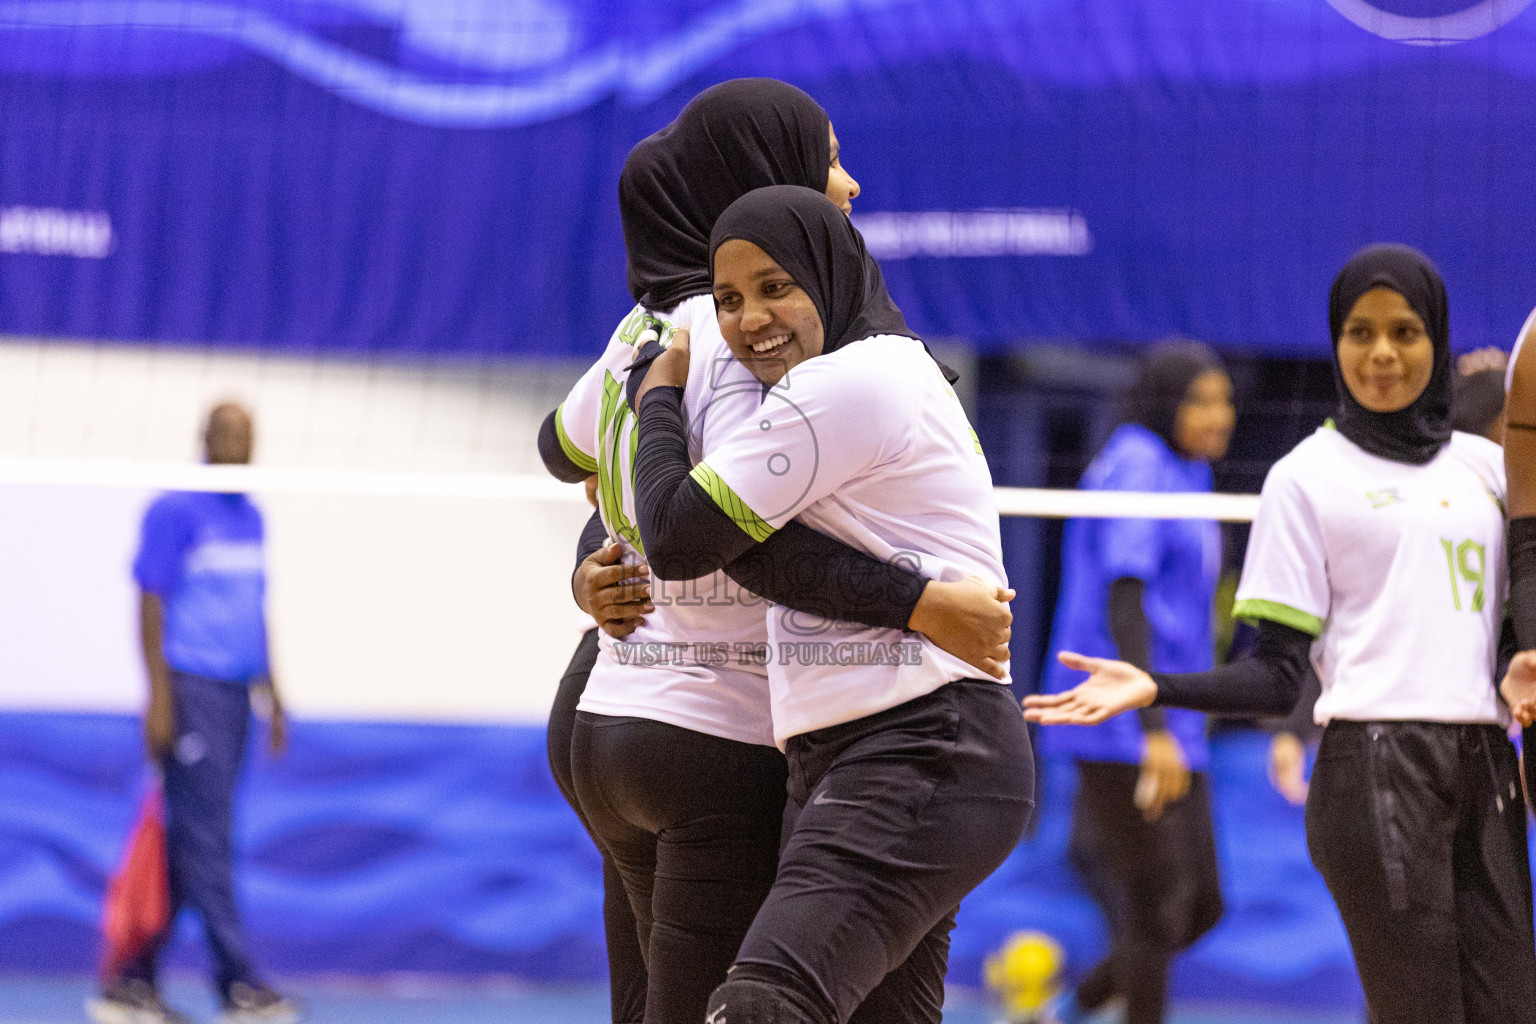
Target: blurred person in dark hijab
1143,590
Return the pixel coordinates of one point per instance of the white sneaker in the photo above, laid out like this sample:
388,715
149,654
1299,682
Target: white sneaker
257,1004
131,1001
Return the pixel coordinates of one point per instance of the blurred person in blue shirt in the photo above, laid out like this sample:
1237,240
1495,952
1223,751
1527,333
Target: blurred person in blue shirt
201,574
1143,590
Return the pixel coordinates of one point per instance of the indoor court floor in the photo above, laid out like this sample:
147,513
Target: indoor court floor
37,1000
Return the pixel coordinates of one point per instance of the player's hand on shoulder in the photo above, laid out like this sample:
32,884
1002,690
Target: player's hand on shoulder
1112,687
668,370
616,594
970,619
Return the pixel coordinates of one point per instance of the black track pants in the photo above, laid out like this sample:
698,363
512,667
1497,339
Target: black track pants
626,965
692,822
1419,830
1156,881
901,814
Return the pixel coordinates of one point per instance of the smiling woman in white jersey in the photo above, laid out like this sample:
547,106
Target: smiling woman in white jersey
1379,549
912,778
672,753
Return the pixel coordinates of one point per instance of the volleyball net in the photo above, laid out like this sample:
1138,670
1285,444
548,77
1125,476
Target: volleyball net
393,595
1039,502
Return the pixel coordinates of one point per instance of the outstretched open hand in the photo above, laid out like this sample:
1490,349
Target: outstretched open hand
1111,688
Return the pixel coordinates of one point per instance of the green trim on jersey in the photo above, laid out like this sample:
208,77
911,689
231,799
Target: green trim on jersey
752,524
580,458
613,419
1274,611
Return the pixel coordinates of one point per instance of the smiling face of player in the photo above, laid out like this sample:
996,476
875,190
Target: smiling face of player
841,188
768,320
1385,352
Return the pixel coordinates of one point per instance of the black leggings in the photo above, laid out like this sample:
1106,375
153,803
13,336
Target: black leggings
1419,831
692,822
626,965
1156,882
900,815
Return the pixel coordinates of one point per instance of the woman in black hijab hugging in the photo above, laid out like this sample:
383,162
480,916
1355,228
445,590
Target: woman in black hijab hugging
667,745
911,777
1379,550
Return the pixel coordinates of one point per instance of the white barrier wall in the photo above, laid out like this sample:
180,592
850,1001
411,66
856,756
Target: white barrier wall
425,607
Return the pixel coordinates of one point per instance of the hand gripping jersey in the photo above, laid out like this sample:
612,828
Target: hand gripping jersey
1397,569
868,445
697,661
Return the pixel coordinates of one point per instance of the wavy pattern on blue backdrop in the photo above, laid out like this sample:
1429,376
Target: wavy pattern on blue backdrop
430,848
412,176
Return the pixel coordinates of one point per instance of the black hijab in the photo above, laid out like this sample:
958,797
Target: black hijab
1417,432
817,246
1162,385
730,139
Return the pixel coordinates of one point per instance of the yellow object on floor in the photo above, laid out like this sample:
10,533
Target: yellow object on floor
1025,973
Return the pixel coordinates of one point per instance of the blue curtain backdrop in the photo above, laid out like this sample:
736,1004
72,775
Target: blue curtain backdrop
423,177
447,849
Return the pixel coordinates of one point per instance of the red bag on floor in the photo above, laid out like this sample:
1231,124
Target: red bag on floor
138,907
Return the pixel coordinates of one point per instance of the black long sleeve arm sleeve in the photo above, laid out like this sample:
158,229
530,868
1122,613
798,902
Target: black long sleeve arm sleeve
810,572
1268,683
1299,722
594,537
553,454
1132,634
688,535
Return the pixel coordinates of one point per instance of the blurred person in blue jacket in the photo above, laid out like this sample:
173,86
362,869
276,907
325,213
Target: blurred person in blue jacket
201,572
1143,590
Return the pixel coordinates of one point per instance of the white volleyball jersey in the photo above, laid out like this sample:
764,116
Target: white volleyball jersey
1397,570
697,661
869,445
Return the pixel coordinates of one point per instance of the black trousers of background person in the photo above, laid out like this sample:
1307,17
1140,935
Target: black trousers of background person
1419,830
692,822
212,719
1156,881
626,964
901,814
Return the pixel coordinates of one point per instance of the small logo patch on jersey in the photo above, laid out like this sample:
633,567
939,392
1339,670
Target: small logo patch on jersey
1384,497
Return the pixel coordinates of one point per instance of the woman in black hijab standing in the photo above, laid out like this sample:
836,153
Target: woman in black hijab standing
911,775
1379,550
1144,590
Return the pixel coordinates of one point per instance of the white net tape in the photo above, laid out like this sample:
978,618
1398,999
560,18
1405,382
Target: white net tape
1011,501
